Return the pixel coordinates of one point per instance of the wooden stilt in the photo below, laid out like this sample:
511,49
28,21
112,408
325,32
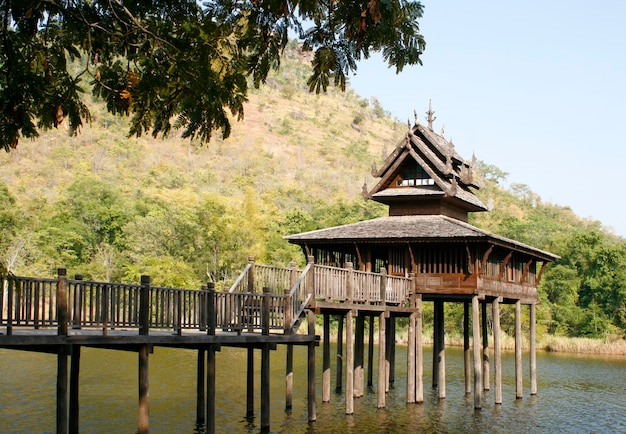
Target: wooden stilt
144,397
200,381
519,393
74,389
410,363
478,386
326,360
441,359
359,356
436,342
382,375
370,353
265,388
497,354
419,352
62,391
311,371
349,364
533,349
391,353
467,358
339,370
486,370
210,389
250,384
289,378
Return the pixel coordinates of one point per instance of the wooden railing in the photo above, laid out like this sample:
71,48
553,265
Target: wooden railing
40,303
263,298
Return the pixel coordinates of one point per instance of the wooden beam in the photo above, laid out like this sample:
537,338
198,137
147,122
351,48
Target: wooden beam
533,349
467,365
349,364
486,371
382,375
74,415
144,396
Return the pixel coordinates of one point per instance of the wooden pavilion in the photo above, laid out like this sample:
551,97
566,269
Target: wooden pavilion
429,190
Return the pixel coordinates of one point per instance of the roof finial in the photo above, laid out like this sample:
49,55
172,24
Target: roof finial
429,114
443,130
415,115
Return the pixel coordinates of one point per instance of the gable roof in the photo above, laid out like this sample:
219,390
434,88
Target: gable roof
452,177
412,228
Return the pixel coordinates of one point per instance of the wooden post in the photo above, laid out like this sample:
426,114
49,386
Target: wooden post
78,302
310,285
326,360
144,306
10,307
339,370
178,313
359,356
144,397
350,282
467,359
288,312
349,364
519,393
62,307
383,286
74,389
211,314
370,353
210,388
62,378
497,354
533,349
250,384
251,274
382,375
478,386
311,371
419,351
289,378
265,311
486,373
265,386
200,381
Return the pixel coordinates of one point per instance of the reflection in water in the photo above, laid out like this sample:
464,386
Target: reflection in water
576,394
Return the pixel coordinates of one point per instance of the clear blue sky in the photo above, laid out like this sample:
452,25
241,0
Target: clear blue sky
536,88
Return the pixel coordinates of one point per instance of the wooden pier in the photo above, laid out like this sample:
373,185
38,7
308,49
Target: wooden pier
264,308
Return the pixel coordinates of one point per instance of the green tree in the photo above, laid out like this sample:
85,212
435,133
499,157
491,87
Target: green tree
175,63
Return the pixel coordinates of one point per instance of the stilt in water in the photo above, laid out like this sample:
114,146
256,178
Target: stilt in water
289,378
497,354
250,384
200,381
359,356
442,351
533,349
326,360
339,370
370,353
486,370
419,352
74,389
467,358
311,371
519,393
349,364
478,382
382,375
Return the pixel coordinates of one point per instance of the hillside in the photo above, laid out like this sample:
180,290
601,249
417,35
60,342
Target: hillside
112,207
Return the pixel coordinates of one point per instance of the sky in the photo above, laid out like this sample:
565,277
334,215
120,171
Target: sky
535,88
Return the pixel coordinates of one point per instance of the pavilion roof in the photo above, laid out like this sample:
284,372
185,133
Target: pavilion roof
412,229
451,175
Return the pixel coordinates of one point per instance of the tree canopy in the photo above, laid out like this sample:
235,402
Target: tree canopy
173,64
